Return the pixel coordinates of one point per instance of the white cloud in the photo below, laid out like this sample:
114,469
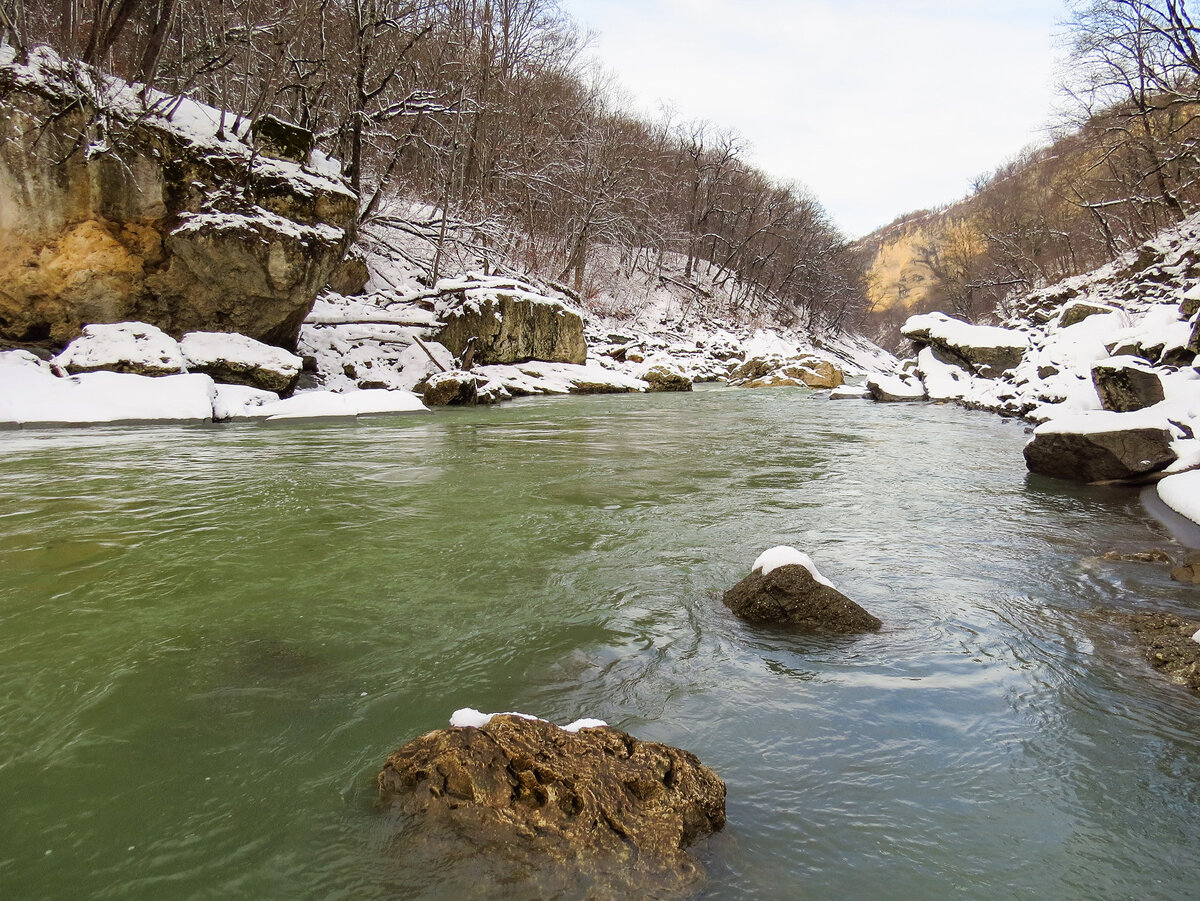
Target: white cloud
880,108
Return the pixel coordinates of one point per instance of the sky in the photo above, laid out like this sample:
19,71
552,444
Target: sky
880,108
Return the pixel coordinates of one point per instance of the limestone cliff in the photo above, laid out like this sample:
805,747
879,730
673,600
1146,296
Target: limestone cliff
118,204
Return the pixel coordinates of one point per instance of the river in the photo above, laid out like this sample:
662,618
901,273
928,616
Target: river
210,638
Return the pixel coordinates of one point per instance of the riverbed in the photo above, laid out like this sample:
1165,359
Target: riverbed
210,638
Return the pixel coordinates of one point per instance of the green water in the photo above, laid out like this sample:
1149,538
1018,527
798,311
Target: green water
210,638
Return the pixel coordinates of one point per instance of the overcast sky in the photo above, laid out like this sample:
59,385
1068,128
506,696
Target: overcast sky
879,107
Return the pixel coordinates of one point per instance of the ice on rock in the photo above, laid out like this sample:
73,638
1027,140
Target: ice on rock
783,555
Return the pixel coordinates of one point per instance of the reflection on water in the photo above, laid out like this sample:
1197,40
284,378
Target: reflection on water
211,638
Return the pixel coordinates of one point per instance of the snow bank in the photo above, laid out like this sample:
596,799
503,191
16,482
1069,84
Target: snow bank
469,717
31,395
1182,494
208,348
783,555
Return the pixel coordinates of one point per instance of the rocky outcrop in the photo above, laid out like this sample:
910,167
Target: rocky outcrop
613,811
1126,384
1104,450
510,325
793,596
125,213
1078,310
132,347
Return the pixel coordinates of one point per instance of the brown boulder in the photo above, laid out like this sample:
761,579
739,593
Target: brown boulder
1167,644
791,594
511,326
1188,571
595,807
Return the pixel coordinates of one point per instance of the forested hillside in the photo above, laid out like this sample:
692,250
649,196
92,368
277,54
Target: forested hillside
1122,166
480,127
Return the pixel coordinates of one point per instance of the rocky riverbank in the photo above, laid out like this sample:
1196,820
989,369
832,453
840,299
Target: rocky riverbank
1105,365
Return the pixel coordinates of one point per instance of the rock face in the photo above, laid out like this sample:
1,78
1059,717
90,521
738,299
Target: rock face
156,220
599,803
512,326
793,596
1127,384
1099,455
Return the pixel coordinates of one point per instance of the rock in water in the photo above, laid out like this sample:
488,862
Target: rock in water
1102,454
792,595
599,805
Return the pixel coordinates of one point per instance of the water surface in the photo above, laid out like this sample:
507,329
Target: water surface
210,638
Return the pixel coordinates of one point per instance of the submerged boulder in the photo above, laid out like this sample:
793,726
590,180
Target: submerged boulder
785,587
1099,447
1169,643
598,803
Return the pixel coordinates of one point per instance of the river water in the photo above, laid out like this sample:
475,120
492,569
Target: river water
210,638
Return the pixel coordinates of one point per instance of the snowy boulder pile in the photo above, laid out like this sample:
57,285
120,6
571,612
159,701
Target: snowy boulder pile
785,587
172,213
585,804
135,373
142,349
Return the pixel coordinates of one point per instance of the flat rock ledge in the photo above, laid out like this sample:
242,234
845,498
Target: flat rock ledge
791,595
595,807
1166,642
